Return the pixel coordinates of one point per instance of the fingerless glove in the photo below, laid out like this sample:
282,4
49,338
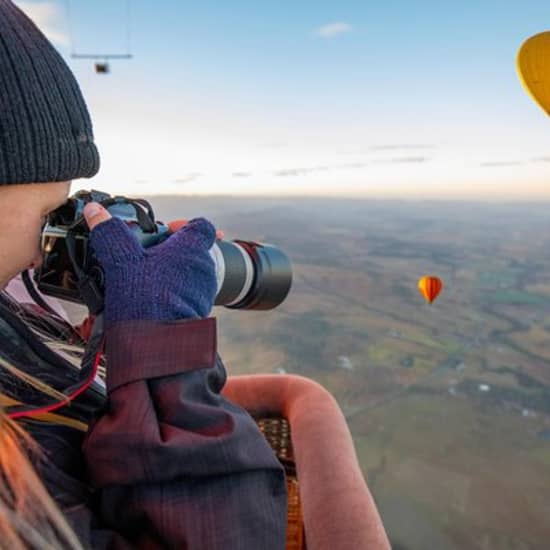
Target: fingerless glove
175,279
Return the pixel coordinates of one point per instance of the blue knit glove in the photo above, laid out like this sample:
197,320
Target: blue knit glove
175,279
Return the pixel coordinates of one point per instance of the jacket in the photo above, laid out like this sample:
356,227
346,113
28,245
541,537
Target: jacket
161,460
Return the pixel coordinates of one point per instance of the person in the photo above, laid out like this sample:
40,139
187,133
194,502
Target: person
158,458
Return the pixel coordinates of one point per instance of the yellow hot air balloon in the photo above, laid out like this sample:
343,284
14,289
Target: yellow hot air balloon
533,66
430,287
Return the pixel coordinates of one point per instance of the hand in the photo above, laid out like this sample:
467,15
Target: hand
175,279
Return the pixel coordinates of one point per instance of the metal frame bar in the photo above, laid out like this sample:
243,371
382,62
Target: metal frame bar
96,56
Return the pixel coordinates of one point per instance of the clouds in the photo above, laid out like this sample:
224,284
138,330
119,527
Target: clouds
46,16
505,163
299,171
331,30
392,147
349,166
188,178
402,160
498,163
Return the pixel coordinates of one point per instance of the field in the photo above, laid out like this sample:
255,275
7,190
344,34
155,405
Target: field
448,403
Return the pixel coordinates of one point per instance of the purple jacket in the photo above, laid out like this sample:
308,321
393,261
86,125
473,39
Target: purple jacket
166,462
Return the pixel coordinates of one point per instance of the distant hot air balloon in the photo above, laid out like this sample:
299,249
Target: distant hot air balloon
430,287
533,66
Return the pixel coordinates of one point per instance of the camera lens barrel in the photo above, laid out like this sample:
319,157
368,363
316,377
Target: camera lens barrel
250,275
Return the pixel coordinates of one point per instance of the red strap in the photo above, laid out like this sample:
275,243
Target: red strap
85,328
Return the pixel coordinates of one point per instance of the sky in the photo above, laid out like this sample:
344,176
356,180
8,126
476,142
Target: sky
393,99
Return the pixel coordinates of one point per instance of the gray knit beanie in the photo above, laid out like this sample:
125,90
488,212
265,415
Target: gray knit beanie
45,129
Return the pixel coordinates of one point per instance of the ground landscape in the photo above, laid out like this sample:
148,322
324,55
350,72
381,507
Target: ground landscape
448,403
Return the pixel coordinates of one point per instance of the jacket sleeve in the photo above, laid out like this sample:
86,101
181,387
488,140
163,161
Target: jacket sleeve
174,464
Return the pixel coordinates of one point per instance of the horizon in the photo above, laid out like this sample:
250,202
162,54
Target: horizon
467,200
523,199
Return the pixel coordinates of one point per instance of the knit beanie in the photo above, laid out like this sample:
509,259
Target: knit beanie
45,128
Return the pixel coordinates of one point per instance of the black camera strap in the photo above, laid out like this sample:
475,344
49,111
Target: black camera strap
35,295
89,363
146,220
87,286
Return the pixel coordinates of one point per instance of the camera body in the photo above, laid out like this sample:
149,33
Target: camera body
249,275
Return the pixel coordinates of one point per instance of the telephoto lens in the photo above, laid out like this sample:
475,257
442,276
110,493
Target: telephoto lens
250,275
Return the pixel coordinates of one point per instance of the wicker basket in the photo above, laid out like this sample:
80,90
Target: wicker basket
277,433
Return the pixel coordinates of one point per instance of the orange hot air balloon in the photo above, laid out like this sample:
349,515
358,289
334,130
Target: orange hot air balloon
430,287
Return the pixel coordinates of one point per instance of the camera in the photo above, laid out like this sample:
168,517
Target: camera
250,275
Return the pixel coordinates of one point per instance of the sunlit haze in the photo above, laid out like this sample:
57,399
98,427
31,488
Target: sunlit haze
351,98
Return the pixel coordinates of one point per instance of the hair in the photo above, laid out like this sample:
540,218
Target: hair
29,518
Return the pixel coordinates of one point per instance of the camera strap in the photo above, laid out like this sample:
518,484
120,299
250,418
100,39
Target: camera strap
89,363
87,285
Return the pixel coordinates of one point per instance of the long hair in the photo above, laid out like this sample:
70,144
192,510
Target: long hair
29,518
